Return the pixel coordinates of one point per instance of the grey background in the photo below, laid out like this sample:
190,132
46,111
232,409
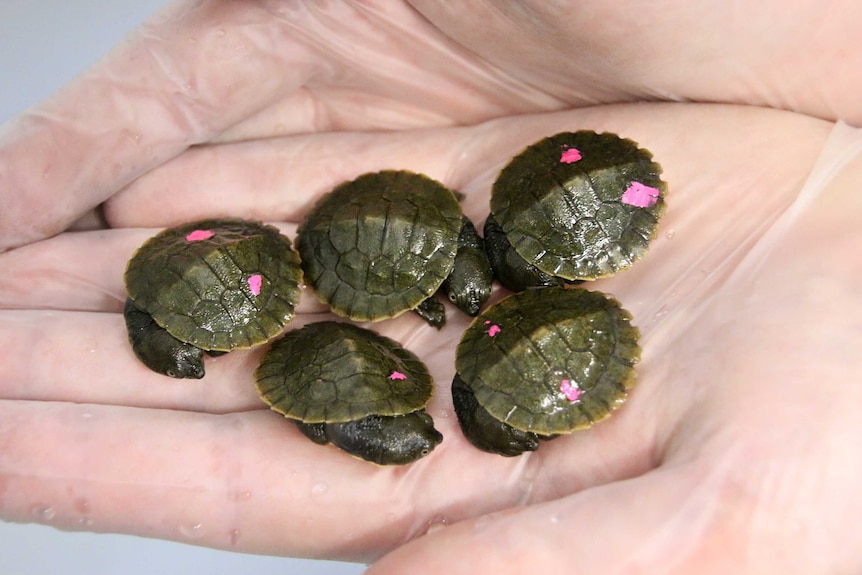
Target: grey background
44,44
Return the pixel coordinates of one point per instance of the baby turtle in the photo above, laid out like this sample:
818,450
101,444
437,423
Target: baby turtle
574,206
384,243
541,363
350,386
212,285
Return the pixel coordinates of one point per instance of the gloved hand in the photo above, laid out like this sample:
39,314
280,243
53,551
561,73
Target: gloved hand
737,449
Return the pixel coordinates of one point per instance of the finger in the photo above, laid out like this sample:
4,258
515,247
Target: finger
150,98
86,357
280,178
245,481
248,481
75,271
599,52
240,481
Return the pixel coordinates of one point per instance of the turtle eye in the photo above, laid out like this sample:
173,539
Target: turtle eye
170,373
452,297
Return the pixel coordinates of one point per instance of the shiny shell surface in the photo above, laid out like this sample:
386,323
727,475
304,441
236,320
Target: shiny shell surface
335,372
580,205
550,360
379,245
218,284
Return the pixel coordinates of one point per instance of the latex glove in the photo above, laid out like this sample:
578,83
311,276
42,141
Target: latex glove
736,451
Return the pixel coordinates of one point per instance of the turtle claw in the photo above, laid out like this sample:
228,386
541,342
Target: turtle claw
432,311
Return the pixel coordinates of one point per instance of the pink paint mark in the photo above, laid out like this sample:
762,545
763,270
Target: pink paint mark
570,390
397,375
199,235
570,156
494,330
640,195
254,283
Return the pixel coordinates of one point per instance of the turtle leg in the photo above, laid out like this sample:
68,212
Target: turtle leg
510,269
469,284
483,430
432,311
314,431
387,440
159,350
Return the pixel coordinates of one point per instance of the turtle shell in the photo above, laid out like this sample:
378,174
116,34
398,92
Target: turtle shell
381,244
580,205
333,372
550,361
218,284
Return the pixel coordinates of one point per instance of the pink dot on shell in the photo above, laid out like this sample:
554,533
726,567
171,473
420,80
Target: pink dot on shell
640,195
570,156
199,235
254,283
570,390
494,330
397,375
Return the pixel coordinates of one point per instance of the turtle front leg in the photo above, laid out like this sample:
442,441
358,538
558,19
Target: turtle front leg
159,350
483,430
432,311
513,271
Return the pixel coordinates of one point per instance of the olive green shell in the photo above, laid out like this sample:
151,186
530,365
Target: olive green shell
522,355
201,289
562,204
332,372
381,244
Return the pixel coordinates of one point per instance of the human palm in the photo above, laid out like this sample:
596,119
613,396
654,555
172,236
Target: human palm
736,448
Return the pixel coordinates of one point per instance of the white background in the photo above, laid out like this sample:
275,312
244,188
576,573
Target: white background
44,44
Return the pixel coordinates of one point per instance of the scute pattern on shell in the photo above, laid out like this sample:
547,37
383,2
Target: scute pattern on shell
199,290
334,372
567,217
519,355
379,245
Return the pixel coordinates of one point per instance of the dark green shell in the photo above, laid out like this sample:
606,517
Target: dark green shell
551,360
336,372
198,281
381,244
580,205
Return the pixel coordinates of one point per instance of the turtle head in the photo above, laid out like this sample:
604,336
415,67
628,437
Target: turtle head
415,436
158,349
186,362
469,284
469,296
387,439
172,357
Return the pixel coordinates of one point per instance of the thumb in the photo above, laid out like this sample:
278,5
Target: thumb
176,81
666,521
